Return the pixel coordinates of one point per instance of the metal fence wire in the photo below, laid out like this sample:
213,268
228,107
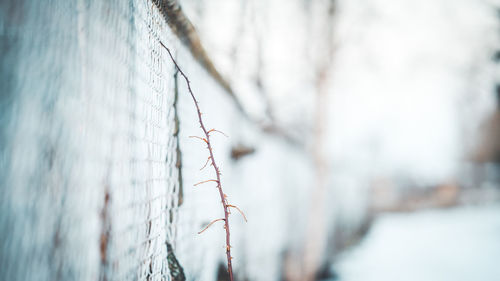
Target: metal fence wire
89,168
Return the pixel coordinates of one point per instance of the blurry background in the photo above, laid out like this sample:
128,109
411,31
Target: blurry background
364,139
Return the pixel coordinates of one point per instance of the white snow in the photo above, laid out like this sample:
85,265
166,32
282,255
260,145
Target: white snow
460,244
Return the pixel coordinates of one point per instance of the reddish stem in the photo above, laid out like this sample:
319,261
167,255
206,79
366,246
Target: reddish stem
216,168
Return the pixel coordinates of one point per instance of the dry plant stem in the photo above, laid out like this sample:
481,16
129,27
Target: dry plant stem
214,165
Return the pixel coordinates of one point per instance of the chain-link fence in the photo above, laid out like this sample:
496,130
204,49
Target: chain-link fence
90,178
96,167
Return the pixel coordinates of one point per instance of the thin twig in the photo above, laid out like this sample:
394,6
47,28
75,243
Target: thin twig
239,210
196,137
214,165
202,182
206,163
208,225
214,130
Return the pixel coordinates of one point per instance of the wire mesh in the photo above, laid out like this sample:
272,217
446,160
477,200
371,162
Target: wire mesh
90,185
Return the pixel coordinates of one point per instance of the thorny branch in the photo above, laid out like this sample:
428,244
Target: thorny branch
223,196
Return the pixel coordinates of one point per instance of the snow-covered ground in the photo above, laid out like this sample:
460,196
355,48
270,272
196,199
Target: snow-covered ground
461,244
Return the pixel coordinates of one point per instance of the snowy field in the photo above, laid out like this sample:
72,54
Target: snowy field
461,244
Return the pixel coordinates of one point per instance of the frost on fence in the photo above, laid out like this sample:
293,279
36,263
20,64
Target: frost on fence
88,169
